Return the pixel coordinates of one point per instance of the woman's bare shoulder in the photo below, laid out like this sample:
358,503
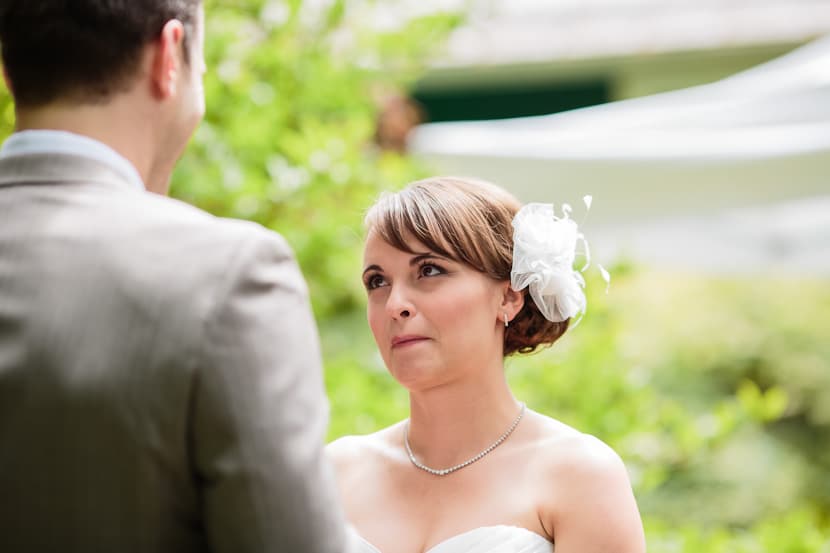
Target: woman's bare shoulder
564,448
584,476
350,452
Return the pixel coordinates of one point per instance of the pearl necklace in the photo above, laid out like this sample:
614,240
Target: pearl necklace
443,472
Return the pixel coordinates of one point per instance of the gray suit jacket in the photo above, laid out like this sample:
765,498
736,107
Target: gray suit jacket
160,381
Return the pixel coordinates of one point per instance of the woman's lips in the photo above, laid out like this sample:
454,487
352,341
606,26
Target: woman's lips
403,341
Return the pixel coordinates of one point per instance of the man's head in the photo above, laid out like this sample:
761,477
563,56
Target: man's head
125,72
83,51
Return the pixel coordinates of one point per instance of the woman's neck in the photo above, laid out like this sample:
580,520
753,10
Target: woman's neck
450,424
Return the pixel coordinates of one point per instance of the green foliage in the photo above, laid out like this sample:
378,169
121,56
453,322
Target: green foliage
799,531
293,92
740,346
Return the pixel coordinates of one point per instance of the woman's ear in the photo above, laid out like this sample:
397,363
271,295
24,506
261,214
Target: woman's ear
512,302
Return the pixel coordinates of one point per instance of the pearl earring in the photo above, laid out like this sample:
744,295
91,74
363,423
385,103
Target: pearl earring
506,320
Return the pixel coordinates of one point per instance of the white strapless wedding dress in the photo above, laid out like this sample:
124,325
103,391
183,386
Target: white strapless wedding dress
487,539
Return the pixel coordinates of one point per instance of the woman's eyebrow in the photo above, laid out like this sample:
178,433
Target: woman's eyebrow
372,268
414,261
428,255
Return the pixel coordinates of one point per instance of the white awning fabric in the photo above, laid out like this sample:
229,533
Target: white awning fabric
762,135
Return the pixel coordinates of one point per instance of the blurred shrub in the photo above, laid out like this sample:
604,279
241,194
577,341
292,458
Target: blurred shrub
799,531
293,92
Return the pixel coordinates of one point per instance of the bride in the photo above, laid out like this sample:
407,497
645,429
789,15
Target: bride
473,469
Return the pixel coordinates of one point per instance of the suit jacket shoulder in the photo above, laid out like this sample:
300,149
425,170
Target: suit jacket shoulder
160,368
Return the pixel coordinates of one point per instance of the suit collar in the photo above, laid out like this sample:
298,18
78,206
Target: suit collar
52,141
56,168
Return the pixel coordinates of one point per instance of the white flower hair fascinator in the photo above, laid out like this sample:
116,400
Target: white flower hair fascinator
544,249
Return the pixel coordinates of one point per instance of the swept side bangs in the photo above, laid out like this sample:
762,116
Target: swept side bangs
455,218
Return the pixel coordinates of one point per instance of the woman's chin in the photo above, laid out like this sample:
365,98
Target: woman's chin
415,377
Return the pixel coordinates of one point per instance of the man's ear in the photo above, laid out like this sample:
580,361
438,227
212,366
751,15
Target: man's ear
512,302
167,52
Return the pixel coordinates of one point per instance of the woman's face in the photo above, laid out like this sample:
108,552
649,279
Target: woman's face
434,319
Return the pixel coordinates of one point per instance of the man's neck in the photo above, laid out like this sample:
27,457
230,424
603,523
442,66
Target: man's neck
119,125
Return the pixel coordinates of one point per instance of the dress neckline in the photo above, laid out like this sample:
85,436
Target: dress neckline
466,533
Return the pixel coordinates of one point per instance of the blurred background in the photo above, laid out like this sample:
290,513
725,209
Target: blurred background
702,130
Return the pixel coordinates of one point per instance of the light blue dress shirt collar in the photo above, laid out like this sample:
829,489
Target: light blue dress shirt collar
63,142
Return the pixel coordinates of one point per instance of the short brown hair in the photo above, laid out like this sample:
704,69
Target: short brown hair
469,221
82,50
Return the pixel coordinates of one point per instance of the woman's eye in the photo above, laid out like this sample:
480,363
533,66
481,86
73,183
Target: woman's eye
374,281
430,270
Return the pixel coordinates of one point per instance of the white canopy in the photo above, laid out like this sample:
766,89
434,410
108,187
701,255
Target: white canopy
758,136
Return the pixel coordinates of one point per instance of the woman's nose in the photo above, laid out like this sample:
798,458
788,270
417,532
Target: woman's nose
398,304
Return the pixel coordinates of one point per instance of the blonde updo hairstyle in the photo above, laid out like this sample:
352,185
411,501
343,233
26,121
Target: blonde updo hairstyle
468,221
